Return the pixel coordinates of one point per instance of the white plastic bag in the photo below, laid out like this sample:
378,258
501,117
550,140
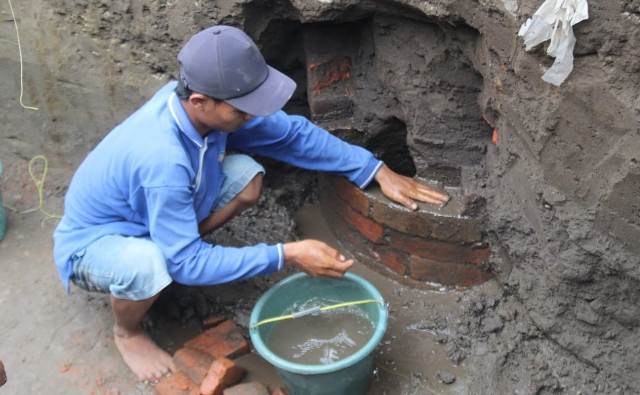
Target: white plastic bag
554,21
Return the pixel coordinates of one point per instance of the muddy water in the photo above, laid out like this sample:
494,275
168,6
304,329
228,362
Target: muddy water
321,338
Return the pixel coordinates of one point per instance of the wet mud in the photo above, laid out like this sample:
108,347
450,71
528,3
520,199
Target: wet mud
430,83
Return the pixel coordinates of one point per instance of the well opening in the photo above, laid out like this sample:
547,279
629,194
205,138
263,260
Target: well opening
406,88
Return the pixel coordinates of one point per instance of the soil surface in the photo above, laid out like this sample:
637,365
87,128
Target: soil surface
65,344
432,79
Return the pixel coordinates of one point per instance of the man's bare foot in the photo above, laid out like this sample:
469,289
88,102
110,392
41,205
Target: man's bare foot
147,361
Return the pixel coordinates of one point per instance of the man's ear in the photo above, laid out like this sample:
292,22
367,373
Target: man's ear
197,100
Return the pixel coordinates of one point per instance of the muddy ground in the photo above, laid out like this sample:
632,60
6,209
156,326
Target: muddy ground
434,78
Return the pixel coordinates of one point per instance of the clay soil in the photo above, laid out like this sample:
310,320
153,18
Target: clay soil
430,79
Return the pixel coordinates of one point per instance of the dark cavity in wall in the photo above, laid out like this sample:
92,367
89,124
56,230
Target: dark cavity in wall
390,145
396,82
274,27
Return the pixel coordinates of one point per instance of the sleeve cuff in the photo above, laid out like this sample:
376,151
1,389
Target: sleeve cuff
370,171
280,247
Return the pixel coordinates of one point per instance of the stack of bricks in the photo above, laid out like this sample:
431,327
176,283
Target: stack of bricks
205,365
437,245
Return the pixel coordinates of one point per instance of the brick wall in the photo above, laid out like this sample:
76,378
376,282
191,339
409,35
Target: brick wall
438,245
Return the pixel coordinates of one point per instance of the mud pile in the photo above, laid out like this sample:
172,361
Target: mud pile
428,82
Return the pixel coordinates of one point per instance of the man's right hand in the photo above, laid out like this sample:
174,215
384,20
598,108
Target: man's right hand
316,258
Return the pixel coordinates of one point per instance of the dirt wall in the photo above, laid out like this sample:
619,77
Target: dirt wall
561,183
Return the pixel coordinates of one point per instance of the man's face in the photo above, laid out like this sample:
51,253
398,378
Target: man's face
222,116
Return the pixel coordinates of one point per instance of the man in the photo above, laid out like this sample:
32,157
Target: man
140,201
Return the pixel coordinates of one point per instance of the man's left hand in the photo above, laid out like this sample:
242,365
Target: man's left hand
406,190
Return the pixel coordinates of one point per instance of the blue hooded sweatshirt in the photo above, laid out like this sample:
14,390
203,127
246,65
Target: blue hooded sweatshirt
155,176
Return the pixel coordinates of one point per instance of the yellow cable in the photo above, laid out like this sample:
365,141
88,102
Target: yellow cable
15,22
325,308
40,186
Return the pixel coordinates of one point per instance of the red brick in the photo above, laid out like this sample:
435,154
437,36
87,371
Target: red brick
278,391
212,321
447,273
351,194
399,218
193,363
463,230
438,250
423,223
393,260
371,230
338,226
224,340
222,373
253,388
176,384
325,74
3,374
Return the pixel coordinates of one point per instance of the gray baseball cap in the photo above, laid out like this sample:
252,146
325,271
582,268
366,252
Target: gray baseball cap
223,63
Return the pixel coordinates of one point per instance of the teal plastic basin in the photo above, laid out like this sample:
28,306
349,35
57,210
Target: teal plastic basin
348,376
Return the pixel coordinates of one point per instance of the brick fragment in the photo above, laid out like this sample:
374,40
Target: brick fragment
224,340
193,363
212,321
222,373
3,374
350,194
253,388
463,275
176,384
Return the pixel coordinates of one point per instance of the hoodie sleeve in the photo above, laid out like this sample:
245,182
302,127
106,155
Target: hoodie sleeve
295,140
191,261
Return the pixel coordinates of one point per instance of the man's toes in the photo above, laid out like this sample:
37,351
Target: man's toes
162,372
172,366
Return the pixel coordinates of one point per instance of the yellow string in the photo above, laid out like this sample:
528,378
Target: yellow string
15,22
325,308
40,186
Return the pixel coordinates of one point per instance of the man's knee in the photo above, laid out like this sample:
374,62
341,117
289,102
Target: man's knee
147,276
251,193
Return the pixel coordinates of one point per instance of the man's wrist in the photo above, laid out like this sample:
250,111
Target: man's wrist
381,173
290,251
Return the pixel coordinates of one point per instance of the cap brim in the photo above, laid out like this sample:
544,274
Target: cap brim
269,97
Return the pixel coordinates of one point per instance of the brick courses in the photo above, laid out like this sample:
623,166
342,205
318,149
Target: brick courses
438,250
354,197
393,259
422,269
439,245
370,229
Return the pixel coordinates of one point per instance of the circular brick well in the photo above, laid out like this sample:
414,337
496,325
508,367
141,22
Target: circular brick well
442,245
